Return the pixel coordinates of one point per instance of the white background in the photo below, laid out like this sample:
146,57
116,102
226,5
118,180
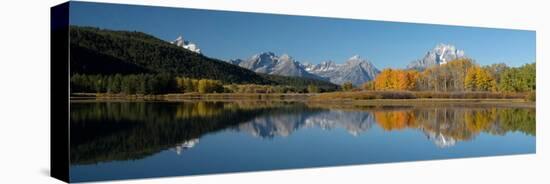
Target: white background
24,90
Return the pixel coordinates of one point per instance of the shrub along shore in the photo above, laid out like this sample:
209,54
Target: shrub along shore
369,95
412,96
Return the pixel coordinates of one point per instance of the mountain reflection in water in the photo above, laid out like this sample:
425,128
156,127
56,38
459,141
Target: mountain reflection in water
108,131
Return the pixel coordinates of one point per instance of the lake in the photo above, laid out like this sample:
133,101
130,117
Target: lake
123,140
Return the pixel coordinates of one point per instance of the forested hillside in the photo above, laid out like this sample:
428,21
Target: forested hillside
110,61
99,51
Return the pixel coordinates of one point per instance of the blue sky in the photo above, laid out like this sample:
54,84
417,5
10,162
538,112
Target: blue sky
230,35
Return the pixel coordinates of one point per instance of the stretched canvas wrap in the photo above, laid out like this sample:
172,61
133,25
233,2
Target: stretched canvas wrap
142,91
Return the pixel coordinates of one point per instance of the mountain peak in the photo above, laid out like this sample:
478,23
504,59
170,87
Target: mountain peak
270,63
268,53
355,57
439,55
285,56
356,69
180,42
444,45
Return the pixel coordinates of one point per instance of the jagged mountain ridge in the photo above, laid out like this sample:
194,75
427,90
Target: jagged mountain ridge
355,70
440,54
355,123
269,63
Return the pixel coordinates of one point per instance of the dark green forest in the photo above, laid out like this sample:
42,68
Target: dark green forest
122,131
134,62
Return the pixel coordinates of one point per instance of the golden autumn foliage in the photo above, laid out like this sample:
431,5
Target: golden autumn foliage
368,85
457,75
446,77
199,109
391,79
480,120
198,85
479,79
460,124
394,120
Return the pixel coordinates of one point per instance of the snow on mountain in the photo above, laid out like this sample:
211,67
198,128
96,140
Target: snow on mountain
269,63
355,70
188,144
321,67
441,54
440,140
270,126
180,42
354,122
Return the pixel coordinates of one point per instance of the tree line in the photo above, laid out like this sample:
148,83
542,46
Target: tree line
127,84
187,85
458,75
166,83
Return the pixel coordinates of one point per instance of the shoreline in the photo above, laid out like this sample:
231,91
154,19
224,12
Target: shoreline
196,96
308,98
428,102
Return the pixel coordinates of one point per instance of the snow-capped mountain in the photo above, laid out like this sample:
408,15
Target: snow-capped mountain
355,70
180,42
442,134
188,144
441,54
268,126
269,63
321,67
440,140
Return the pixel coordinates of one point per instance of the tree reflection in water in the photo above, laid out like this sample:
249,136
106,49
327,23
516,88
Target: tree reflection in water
107,131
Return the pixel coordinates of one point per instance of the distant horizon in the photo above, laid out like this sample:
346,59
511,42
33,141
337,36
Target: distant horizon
239,35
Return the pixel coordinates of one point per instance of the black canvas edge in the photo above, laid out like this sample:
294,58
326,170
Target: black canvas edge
59,92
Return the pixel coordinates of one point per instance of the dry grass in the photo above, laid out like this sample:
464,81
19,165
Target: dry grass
196,96
369,95
238,96
333,96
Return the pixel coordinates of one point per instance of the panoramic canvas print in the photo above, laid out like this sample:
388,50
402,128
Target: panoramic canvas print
159,91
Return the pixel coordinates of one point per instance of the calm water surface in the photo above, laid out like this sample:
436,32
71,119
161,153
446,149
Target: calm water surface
122,140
